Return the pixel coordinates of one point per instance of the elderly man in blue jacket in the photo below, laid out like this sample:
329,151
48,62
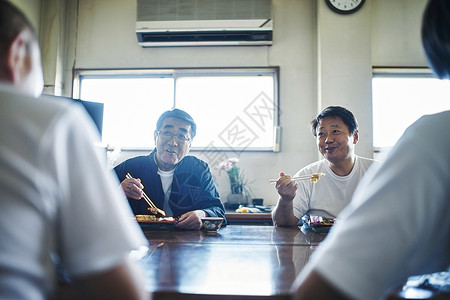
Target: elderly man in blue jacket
180,184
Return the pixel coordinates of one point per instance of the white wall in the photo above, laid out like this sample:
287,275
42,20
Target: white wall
396,33
324,59
344,67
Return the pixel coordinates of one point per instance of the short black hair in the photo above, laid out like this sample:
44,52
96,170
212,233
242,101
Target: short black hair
436,36
179,114
12,21
336,111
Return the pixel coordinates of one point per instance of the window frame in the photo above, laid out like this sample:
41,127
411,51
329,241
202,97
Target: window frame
80,73
398,72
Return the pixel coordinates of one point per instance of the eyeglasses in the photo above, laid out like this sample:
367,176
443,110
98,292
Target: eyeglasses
179,138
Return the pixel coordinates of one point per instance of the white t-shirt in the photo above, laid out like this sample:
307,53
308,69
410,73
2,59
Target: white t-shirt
166,182
57,197
331,193
398,223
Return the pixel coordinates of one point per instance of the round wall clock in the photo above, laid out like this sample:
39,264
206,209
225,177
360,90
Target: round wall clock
345,6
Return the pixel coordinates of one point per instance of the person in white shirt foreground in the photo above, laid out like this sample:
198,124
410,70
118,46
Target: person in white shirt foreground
336,132
59,204
397,224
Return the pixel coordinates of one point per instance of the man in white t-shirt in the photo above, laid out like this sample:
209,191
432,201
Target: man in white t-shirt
60,206
397,224
336,132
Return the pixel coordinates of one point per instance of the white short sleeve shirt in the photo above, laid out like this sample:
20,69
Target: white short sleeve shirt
331,193
57,197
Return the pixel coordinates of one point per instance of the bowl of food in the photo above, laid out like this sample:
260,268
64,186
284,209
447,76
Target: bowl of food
212,224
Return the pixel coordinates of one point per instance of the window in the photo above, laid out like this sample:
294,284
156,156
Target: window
400,97
235,109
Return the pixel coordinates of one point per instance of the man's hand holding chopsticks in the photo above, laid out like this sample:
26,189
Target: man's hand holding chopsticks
133,188
286,187
283,213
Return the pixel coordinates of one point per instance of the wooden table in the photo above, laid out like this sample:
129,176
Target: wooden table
240,262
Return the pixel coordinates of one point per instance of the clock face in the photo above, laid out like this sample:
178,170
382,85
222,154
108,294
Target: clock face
345,6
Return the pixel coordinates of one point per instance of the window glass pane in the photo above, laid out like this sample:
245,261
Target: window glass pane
132,107
231,111
399,101
235,109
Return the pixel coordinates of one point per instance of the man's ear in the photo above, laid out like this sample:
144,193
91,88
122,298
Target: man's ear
18,60
356,137
155,135
190,145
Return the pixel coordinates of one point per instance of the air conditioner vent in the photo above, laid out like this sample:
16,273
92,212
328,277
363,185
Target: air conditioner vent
203,22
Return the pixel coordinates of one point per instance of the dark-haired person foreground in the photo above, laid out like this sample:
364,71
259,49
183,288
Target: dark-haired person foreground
51,214
336,133
180,184
397,224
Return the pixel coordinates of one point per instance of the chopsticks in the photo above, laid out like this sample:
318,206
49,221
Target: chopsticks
147,199
311,177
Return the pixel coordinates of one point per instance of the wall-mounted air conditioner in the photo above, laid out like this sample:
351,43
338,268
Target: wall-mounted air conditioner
162,23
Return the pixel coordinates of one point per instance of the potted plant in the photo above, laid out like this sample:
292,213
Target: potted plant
240,191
